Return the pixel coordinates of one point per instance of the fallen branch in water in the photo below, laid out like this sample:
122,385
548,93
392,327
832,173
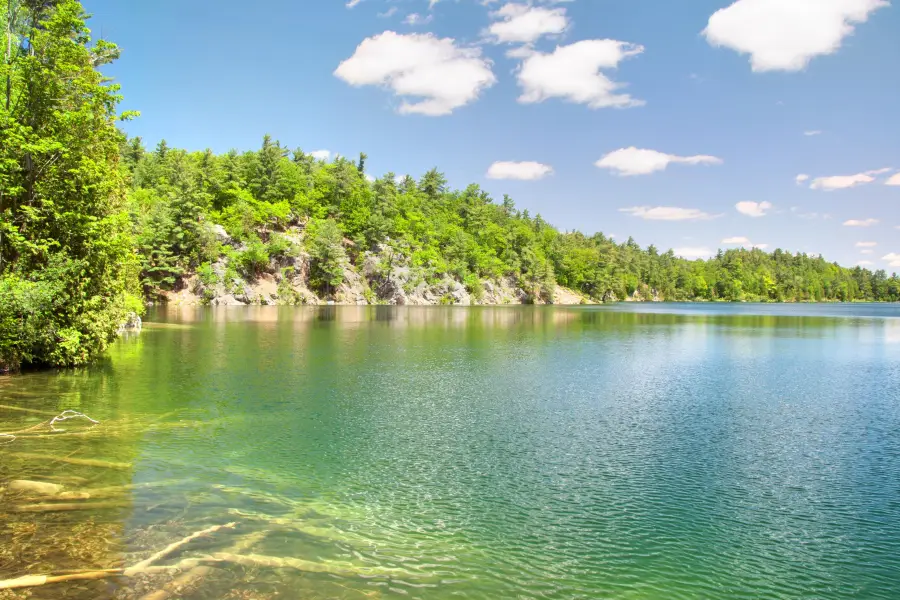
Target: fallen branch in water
37,580
306,566
85,462
173,547
51,424
69,414
63,507
198,571
28,410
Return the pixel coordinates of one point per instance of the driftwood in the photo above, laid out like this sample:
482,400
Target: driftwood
173,547
40,488
64,506
37,580
28,410
85,462
198,571
306,566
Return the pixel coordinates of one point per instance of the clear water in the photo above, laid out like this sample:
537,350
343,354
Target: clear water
649,451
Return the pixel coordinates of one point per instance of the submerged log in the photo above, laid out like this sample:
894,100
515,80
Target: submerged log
35,487
173,547
33,411
198,571
64,506
85,462
306,566
38,580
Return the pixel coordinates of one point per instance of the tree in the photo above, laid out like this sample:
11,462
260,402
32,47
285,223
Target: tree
68,276
328,256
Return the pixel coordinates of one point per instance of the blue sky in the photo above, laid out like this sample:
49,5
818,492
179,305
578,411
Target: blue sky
649,118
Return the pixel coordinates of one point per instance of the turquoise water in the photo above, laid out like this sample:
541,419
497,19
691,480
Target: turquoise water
629,451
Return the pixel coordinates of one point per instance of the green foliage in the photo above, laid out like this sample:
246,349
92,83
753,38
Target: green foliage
325,245
67,266
254,259
286,292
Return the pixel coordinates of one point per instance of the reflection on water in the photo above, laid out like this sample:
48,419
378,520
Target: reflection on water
675,451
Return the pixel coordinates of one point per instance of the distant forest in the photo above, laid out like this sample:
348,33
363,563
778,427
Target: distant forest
176,196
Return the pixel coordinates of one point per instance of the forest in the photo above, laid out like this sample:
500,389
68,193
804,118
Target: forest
94,225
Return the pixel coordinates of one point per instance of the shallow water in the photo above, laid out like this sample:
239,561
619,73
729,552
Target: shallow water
650,451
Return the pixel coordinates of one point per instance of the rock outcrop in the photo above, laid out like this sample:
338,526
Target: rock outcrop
383,276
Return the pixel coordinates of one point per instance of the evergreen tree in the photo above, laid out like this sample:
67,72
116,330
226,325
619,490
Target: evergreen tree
67,269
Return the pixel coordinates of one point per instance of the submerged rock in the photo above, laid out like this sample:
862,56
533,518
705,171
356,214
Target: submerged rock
133,323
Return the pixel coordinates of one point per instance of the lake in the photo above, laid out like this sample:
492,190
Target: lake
627,451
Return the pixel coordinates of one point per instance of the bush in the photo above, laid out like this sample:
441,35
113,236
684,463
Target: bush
57,317
254,259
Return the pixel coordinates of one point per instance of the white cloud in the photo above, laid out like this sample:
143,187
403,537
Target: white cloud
864,263
442,75
861,222
524,24
736,240
760,246
668,213
784,35
693,253
801,178
894,180
352,3
636,161
321,154
893,259
867,251
417,19
866,244
753,209
370,178
573,73
841,182
388,13
812,133
527,170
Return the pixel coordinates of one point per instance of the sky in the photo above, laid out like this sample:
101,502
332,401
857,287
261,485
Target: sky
688,125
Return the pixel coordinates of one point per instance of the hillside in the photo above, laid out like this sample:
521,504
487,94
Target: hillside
279,226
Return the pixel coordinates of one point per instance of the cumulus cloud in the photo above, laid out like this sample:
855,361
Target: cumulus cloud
801,178
573,73
637,161
321,154
668,213
524,24
526,171
860,222
866,244
753,209
760,246
784,35
841,182
812,133
441,75
692,253
864,263
894,180
736,240
892,259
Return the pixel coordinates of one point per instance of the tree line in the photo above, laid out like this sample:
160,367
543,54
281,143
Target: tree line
93,224
465,234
